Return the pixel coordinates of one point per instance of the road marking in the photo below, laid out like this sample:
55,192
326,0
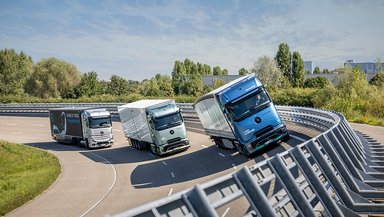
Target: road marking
164,163
234,166
10,124
150,154
298,138
173,175
170,192
38,125
117,130
204,146
221,154
110,188
41,134
226,212
142,184
16,132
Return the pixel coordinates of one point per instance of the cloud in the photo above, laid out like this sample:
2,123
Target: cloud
137,39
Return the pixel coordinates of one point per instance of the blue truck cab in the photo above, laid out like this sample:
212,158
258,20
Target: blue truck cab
249,112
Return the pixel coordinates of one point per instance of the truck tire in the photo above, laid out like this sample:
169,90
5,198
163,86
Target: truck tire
87,144
285,138
158,152
219,142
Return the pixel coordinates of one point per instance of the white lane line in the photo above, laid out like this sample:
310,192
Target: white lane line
170,192
221,154
204,146
142,184
298,138
16,132
10,124
173,175
117,130
164,163
226,212
110,188
234,166
150,154
38,125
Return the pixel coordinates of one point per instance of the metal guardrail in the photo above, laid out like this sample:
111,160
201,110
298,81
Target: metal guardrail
338,173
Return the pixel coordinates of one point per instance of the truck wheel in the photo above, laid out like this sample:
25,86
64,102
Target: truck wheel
87,144
158,152
285,138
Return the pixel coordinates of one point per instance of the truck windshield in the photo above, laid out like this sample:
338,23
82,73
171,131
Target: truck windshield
248,106
100,122
162,123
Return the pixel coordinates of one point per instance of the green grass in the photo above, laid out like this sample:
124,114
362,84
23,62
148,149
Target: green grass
25,172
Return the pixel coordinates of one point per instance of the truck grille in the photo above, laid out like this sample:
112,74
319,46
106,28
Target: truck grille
99,136
263,131
174,140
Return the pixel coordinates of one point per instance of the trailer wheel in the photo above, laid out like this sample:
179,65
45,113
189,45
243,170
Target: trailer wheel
219,143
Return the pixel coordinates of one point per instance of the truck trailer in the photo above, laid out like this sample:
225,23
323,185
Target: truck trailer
154,124
241,115
89,127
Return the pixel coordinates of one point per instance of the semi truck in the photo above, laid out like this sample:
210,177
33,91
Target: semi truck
88,127
241,115
154,124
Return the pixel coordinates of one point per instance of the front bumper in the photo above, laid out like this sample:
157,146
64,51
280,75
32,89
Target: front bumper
173,147
270,137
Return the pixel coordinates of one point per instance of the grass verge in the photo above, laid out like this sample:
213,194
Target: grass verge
25,172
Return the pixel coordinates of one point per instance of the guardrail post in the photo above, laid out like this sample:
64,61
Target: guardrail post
255,195
289,183
328,203
200,203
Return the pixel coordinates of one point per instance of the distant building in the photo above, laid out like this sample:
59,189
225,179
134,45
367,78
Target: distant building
369,68
308,66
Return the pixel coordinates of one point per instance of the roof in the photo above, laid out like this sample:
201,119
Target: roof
145,103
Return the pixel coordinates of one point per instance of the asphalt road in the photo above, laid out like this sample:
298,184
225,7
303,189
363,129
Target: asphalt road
112,180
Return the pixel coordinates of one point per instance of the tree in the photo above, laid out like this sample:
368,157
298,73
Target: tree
283,59
266,69
194,86
316,82
52,78
90,85
325,71
243,71
117,86
218,83
224,72
207,70
316,70
297,70
165,84
378,65
178,77
378,80
217,70
14,70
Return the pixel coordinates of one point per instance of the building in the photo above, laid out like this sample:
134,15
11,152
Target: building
369,68
308,67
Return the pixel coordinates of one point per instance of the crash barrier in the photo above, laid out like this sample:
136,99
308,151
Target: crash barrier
338,173
186,108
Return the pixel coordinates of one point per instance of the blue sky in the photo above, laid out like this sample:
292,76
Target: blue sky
138,39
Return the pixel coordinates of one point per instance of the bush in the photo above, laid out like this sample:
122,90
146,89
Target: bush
316,82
